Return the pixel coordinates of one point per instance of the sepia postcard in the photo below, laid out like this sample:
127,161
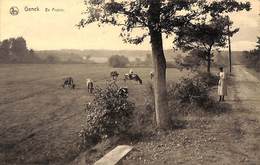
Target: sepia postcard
130,82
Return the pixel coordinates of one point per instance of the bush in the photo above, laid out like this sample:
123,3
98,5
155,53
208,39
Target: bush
209,79
110,113
190,91
117,61
252,59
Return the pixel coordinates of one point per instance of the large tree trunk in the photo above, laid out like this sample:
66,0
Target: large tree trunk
160,91
209,62
209,65
159,63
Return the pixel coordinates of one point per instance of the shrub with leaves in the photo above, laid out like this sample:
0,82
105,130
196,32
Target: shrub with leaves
209,79
110,113
191,91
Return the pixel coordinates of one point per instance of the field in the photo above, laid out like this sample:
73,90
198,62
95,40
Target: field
39,120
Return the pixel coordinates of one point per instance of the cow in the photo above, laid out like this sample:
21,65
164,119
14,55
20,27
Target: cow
151,75
123,92
114,75
90,85
134,77
68,82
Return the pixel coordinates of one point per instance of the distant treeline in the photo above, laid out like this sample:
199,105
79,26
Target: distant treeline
252,57
14,50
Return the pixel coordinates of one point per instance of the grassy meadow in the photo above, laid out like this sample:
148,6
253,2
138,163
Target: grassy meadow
40,121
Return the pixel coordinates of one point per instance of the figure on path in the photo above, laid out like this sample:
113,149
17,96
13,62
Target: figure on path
222,84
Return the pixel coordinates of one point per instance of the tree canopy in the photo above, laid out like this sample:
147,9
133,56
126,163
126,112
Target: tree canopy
15,50
174,14
205,36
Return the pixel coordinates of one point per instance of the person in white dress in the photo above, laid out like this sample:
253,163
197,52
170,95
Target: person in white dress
222,84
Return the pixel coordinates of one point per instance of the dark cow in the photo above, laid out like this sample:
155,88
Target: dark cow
123,92
68,82
134,77
114,75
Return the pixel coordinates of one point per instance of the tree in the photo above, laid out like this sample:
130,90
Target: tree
19,48
4,50
31,57
205,36
15,50
117,61
192,61
258,43
253,56
154,18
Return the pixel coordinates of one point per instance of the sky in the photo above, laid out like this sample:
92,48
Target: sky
56,29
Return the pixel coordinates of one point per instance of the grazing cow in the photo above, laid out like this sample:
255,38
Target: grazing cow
114,75
68,82
134,77
90,85
123,91
151,75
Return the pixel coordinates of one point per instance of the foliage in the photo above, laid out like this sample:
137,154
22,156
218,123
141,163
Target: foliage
14,50
209,79
258,43
253,57
110,113
192,61
136,14
194,91
204,37
190,91
117,61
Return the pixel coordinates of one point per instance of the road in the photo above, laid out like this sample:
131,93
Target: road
246,90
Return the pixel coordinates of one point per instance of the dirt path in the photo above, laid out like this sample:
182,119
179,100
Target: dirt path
245,100
247,90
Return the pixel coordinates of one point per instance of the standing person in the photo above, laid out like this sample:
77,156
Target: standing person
222,85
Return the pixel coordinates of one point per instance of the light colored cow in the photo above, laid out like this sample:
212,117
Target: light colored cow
151,74
90,85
